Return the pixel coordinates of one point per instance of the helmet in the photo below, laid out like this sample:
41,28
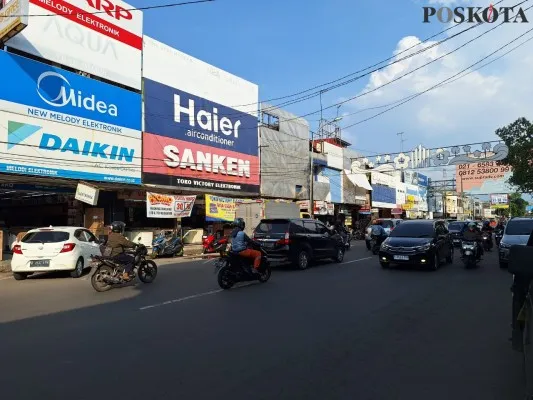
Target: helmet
472,225
118,226
239,223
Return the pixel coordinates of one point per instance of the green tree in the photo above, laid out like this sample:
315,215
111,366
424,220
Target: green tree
517,205
518,136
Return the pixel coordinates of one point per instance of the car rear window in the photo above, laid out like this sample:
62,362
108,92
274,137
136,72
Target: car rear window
46,237
413,230
523,227
456,226
272,227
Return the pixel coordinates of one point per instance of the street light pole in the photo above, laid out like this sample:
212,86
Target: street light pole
311,177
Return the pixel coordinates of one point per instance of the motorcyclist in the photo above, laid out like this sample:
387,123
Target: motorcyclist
471,234
118,243
239,244
488,230
377,231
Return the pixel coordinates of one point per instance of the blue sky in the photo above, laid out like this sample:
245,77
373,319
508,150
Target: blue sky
286,46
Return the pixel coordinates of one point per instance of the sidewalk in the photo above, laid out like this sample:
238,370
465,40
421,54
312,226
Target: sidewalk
190,252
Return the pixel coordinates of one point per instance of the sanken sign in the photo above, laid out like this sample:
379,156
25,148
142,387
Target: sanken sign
88,194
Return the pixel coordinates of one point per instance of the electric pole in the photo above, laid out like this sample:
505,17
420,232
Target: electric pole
400,134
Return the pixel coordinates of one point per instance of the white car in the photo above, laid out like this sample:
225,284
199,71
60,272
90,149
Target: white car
54,249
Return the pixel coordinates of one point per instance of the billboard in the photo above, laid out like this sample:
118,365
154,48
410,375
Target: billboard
499,200
39,90
40,147
13,18
100,37
168,205
483,178
193,137
383,196
220,208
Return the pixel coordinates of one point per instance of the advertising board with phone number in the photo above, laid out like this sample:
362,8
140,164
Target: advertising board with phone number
483,168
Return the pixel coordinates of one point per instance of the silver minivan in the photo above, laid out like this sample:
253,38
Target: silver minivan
517,231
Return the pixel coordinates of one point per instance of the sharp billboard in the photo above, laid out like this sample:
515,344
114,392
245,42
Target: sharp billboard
194,136
100,37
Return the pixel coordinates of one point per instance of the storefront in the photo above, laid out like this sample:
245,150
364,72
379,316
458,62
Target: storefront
384,193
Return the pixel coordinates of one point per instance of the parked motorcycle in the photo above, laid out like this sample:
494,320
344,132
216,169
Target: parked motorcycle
214,244
487,241
469,254
108,273
167,244
231,269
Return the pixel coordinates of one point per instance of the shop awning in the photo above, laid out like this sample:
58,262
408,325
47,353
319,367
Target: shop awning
359,180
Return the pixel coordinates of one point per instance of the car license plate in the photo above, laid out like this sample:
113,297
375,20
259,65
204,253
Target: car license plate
268,245
456,240
468,252
403,258
40,263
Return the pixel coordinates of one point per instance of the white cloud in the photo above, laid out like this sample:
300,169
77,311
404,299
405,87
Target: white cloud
466,111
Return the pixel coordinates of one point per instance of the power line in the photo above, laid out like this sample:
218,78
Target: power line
442,82
157,6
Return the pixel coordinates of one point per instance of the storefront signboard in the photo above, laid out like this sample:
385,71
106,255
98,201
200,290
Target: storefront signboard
168,205
383,196
13,18
203,141
39,90
220,208
99,37
39,147
87,194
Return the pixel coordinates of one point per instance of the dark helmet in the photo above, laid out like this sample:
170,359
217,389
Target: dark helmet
118,226
239,223
472,226
486,223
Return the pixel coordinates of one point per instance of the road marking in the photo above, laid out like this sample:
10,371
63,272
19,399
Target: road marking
360,259
208,261
194,296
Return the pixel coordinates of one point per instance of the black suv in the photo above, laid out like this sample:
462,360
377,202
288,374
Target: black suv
298,241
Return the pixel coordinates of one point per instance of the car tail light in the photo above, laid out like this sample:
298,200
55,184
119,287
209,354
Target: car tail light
68,247
17,249
285,241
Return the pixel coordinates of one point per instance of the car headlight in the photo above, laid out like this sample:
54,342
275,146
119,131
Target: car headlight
504,245
425,247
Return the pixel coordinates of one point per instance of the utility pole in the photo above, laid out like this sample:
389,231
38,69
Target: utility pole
311,169
400,134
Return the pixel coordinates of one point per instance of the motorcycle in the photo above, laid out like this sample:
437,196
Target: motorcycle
487,241
358,234
469,253
167,244
212,244
108,272
232,268
498,234
374,245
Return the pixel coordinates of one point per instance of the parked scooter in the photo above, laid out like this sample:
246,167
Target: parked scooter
167,244
214,243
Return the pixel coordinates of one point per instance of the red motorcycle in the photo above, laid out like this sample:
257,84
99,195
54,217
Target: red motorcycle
214,243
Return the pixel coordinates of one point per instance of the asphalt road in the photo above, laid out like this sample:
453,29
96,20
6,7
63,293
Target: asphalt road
336,331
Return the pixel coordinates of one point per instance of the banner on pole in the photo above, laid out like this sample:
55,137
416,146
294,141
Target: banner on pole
168,205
